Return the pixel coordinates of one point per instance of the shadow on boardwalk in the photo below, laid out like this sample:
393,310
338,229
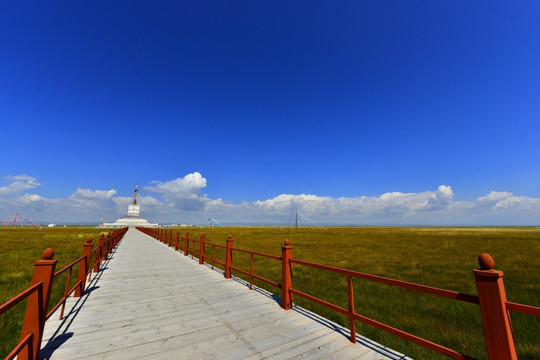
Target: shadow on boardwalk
62,334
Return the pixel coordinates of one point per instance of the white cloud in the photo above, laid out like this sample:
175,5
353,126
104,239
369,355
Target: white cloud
517,203
389,203
19,183
30,198
182,193
92,195
494,197
181,200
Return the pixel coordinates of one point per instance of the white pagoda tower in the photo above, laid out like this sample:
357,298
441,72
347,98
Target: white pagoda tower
133,217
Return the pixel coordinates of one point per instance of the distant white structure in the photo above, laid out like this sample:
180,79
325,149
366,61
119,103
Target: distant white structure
133,217
53,225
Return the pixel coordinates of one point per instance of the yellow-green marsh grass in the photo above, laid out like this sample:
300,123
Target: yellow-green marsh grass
19,248
443,257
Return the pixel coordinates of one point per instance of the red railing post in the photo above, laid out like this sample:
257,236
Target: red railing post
228,257
99,252
286,275
83,267
34,319
170,238
352,324
186,250
104,251
177,239
108,245
492,297
104,247
201,251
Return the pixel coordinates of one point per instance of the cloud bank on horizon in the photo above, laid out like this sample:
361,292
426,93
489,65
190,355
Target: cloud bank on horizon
182,200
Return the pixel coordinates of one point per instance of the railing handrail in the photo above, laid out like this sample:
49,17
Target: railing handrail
216,245
257,253
28,341
67,267
394,282
355,316
21,296
522,308
68,291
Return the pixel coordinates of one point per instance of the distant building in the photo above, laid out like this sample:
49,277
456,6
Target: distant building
133,217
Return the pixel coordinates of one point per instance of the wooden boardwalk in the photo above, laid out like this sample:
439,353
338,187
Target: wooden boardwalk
151,302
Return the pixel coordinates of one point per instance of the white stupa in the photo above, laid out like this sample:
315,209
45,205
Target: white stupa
133,217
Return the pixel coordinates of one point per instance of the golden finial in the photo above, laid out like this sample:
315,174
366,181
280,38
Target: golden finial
136,191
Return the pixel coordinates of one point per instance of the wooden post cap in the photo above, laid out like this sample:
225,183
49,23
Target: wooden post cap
89,240
48,254
229,237
286,242
486,262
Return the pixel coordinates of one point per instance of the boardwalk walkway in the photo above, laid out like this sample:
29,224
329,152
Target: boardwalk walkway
151,302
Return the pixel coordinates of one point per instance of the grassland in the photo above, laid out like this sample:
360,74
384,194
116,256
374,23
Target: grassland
19,248
441,257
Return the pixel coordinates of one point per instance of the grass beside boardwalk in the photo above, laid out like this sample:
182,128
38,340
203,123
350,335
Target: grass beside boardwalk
19,248
441,257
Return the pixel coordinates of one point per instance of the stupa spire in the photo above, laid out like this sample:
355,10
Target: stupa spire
135,196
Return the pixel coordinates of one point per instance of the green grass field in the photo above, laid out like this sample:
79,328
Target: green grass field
19,248
441,257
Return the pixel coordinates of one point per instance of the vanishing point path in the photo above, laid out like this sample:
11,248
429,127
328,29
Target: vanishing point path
151,302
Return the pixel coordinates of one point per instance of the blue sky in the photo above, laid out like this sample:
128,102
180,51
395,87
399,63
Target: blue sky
356,112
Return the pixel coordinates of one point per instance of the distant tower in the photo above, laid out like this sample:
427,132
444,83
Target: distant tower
133,217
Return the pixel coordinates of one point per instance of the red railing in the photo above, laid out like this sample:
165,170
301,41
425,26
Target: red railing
39,292
350,312
491,296
250,273
213,257
78,285
162,235
35,307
